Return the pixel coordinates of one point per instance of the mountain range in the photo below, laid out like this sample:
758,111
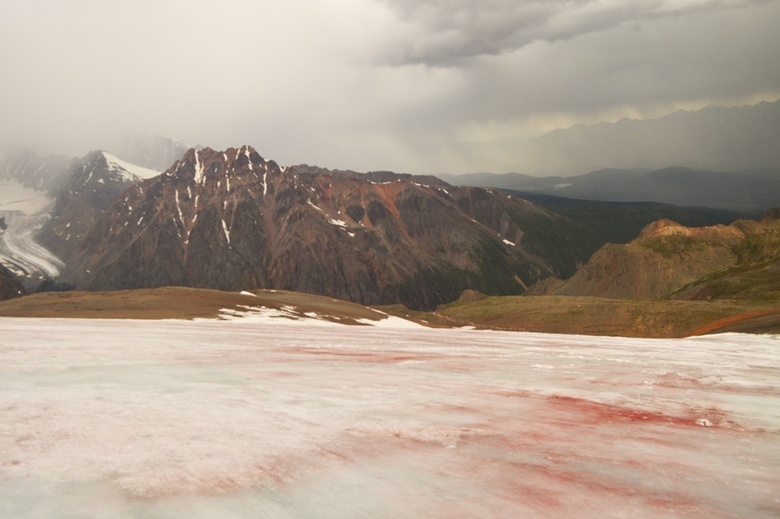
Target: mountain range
721,157
749,191
233,220
714,138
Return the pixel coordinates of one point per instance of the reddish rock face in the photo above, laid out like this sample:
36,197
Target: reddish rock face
232,220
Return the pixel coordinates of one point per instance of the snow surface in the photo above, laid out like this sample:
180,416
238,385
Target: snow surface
118,165
245,419
290,315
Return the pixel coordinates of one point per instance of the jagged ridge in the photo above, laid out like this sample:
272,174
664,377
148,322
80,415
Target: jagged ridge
232,220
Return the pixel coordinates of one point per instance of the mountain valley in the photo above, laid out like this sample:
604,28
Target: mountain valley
232,221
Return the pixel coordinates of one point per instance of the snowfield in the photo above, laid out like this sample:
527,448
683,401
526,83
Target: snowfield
246,418
128,171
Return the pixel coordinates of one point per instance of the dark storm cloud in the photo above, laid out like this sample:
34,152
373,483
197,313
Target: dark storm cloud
416,86
445,32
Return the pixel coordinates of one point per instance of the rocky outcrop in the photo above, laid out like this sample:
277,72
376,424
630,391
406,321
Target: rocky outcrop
668,260
10,286
233,220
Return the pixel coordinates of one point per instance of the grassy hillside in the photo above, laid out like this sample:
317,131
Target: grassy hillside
600,316
549,314
621,222
180,303
672,261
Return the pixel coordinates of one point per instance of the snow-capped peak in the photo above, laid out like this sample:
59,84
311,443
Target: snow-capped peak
128,170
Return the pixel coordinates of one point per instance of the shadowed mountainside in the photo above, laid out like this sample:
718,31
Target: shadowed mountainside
233,221
744,191
10,287
603,316
621,222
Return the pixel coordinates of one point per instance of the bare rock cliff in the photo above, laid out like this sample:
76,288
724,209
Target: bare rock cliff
233,220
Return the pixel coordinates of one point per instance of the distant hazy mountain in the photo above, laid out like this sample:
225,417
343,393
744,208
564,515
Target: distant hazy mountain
714,138
20,163
748,191
151,151
621,222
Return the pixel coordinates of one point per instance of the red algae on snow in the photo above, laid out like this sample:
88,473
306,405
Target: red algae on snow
249,419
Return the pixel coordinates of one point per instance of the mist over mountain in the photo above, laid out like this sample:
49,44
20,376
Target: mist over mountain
20,163
233,220
715,138
150,151
94,183
751,191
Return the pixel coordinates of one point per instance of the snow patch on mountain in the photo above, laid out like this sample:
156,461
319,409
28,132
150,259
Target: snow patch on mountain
199,172
291,315
129,171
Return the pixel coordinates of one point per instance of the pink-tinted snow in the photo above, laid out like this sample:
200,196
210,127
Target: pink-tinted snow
240,419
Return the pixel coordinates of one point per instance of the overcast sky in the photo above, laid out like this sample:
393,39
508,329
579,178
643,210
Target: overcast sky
420,86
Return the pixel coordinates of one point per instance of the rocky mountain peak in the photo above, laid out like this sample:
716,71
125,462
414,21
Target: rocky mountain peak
206,167
234,220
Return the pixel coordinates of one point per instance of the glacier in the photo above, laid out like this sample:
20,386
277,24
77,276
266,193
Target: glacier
24,211
251,418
